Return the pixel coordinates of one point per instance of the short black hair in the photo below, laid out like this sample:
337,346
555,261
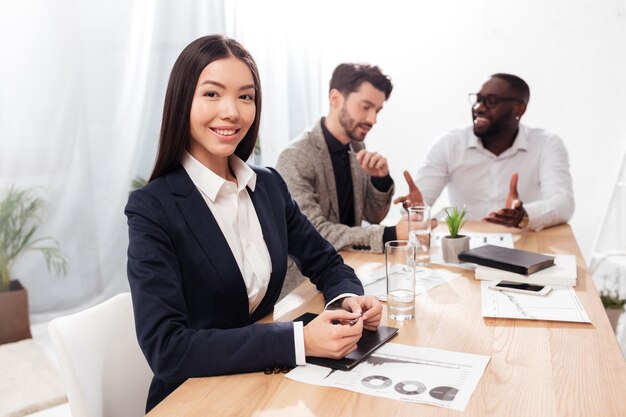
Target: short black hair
517,84
347,78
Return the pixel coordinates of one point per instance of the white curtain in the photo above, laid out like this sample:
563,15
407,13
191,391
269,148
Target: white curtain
81,94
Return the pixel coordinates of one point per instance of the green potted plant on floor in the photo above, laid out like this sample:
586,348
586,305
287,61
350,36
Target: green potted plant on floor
20,212
613,305
454,243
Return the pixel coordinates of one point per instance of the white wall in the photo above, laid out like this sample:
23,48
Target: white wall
571,53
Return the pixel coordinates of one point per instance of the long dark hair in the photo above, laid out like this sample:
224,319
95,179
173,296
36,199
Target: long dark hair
175,130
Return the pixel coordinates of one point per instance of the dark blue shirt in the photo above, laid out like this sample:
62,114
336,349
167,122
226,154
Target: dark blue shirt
340,159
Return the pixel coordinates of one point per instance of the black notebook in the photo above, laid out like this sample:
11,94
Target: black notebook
369,342
513,260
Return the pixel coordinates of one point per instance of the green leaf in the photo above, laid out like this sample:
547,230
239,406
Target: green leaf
454,219
20,215
138,182
611,299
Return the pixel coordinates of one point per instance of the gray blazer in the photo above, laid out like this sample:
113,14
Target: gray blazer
306,166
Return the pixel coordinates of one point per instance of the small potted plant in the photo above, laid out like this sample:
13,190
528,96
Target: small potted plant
454,243
19,219
614,306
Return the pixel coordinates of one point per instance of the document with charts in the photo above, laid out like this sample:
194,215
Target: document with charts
560,304
406,373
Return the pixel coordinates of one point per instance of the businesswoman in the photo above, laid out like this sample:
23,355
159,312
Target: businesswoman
210,235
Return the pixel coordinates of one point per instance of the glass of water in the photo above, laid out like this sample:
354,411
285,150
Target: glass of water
419,233
400,269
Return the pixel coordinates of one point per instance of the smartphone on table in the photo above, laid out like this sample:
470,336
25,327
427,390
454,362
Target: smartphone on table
520,287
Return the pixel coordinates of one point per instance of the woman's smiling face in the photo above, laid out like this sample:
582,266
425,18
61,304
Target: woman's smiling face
222,111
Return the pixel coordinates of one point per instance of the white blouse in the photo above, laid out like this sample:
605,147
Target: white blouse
234,212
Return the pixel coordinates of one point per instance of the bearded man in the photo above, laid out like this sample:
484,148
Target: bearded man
503,171
344,189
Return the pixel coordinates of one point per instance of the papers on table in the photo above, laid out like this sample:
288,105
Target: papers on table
560,304
375,283
476,240
407,373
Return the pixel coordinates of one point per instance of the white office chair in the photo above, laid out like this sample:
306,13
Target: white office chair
105,372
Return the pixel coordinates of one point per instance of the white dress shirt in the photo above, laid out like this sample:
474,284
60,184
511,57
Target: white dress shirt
234,212
479,180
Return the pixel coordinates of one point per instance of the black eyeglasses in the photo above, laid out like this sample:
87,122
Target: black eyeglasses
490,100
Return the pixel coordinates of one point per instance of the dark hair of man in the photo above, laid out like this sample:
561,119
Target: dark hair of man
517,84
175,130
347,78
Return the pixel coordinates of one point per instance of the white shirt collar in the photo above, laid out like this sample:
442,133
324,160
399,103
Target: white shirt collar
210,184
520,143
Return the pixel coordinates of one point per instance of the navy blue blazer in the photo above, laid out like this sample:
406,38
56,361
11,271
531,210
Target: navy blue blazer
189,297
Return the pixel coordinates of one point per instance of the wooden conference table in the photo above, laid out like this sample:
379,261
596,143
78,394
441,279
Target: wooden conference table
537,368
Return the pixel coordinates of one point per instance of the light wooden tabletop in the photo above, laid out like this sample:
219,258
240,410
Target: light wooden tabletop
537,368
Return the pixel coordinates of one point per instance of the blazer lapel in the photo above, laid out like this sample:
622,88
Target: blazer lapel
328,173
207,232
276,248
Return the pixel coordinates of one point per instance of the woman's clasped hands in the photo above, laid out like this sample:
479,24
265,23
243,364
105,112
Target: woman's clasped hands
335,333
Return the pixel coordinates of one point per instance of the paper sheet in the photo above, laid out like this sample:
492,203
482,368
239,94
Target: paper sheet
374,282
406,373
560,304
476,240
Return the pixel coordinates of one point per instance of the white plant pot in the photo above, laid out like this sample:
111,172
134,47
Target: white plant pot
451,246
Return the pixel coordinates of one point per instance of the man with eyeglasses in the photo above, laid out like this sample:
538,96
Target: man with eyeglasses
503,171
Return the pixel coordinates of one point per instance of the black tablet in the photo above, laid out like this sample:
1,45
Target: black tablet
369,342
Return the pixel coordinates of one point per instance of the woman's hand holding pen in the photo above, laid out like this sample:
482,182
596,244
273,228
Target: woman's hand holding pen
367,305
327,336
